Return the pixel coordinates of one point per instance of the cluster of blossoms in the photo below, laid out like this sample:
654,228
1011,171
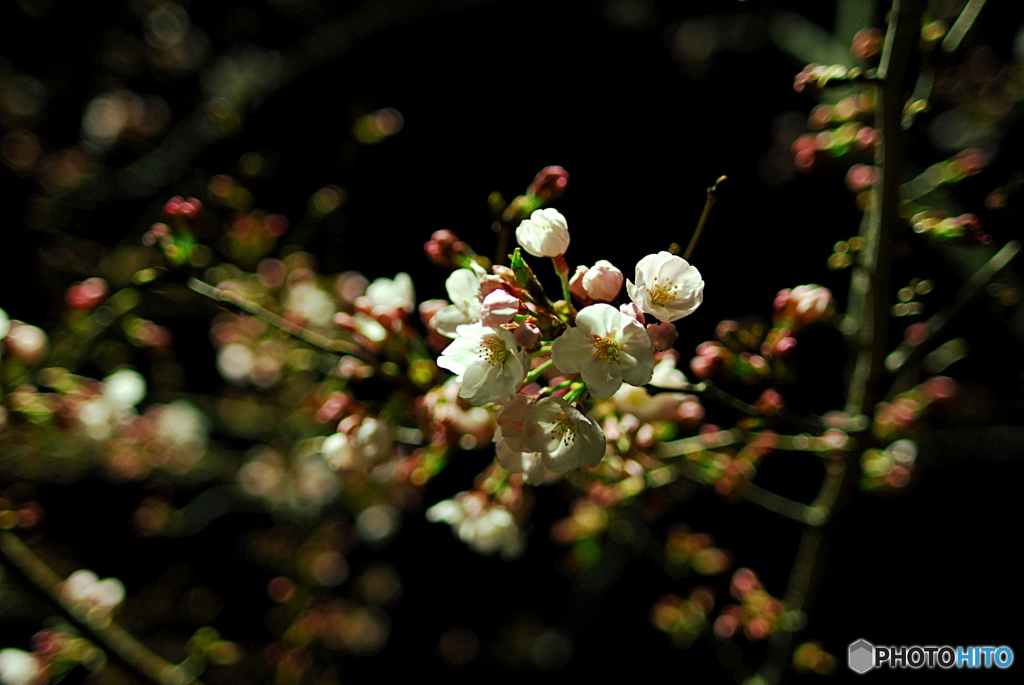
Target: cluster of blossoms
506,334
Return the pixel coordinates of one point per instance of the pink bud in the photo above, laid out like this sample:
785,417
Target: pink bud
499,307
549,183
630,309
527,336
576,284
662,335
603,282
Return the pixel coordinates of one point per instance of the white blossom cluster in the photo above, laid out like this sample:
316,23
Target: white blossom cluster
497,343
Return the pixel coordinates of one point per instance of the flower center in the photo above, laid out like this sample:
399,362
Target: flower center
662,291
606,348
493,350
566,429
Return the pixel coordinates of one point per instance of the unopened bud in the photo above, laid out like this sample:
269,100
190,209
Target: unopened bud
603,282
499,307
549,183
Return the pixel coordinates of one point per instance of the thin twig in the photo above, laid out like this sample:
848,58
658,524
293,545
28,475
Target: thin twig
907,354
708,204
313,338
962,25
116,641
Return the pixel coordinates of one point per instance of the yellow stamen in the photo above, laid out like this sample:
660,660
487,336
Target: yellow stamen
662,292
606,348
493,350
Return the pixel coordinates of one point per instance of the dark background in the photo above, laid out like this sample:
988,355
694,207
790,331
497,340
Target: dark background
645,103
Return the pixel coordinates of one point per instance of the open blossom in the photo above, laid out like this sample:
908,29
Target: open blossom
463,288
606,347
516,460
564,436
544,234
488,362
667,287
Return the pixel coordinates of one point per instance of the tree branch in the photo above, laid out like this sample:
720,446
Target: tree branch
116,641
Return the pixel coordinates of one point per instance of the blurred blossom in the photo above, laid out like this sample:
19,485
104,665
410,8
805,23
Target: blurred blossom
5,324
234,361
392,294
481,524
124,389
84,589
374,127
312,304
362,446
18,667
182,424
315,484
377,523
26,342
105,118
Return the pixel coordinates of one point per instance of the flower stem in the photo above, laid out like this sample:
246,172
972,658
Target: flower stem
535,373
708,204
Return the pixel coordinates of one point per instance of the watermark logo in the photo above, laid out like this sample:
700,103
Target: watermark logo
863,656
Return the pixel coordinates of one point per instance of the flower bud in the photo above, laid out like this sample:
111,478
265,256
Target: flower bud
527,336
544,234
443,246
603,282
576,284
662,335
630,309
499,307
549,183
803,306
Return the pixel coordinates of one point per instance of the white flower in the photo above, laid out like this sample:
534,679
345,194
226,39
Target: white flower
483,525
666,287
606,347
392,294
487,361
18,667
530,464
85,589
544,234
124,389
364,447
463,288
564,436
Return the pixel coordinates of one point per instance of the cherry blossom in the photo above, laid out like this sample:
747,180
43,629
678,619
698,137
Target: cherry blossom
544,234
397,293
488,362
606,347
463,288
18,667
667,287
564,436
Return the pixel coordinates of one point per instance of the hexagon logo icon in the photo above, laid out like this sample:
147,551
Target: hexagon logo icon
861,657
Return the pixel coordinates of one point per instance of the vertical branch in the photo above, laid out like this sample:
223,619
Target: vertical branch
866,323
868,317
